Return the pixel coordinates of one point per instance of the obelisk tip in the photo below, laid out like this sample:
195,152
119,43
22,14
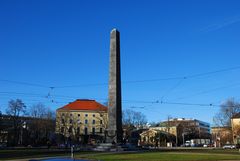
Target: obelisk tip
114,30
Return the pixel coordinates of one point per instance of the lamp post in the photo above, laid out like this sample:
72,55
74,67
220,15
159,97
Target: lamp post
176,138
183,138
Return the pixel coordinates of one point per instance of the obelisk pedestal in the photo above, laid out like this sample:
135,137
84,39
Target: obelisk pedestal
114,131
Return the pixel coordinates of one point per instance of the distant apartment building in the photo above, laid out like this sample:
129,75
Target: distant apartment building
184,129
200,128
81,119
169,129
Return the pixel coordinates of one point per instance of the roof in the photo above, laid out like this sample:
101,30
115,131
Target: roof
84,104
237,115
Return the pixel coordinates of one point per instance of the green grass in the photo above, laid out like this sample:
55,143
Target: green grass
168,156
160,155
29,153
164,157
34,153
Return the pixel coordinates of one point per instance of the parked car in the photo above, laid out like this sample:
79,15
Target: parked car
3,145
229,146
187,144
205,145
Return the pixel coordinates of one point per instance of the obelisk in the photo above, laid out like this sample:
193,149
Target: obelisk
114,131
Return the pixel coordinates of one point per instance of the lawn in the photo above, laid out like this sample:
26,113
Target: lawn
30,153
25,153
191,155
160,155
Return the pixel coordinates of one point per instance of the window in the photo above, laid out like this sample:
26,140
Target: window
93,130
86,115
62,129
70,130
62,121
93,121
93,115
100,130
86,121
78,130
71,114
62,114
79,121
100,121
70,121
78,115
85,131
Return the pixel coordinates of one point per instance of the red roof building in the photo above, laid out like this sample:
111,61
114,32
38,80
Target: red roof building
81,117
84,104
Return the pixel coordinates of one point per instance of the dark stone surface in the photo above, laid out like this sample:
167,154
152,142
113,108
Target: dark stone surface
114,131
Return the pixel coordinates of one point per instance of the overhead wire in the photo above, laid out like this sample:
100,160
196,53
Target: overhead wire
125,82
24,83
172,89
137,81
209,91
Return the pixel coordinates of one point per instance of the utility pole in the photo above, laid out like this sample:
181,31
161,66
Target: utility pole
183,138
176,138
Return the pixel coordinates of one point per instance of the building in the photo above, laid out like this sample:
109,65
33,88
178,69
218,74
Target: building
156,138
169,129
82,120
199,128
221,135
185,129
22,130
235,123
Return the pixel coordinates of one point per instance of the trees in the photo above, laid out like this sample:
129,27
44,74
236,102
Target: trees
227,110
223,118
15,109
133,118
42,124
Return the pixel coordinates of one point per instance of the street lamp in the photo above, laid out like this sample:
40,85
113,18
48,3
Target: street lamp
183,138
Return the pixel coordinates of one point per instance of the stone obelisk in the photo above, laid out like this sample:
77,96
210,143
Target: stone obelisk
114,131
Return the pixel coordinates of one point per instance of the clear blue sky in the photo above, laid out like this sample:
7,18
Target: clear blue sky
64,43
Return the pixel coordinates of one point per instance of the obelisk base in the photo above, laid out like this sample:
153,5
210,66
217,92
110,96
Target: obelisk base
111,136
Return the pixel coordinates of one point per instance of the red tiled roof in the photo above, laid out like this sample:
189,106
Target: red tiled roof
79,104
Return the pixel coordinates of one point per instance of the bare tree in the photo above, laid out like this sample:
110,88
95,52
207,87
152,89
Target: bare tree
227,110
42,124
16,108
133,118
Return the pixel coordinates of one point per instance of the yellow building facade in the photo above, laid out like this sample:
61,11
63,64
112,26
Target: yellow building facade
235,123
172,129
81,118
221,136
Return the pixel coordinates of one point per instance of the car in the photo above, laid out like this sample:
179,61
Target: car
3,145
229,146
205,145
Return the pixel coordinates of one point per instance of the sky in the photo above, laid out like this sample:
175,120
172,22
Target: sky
177,57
